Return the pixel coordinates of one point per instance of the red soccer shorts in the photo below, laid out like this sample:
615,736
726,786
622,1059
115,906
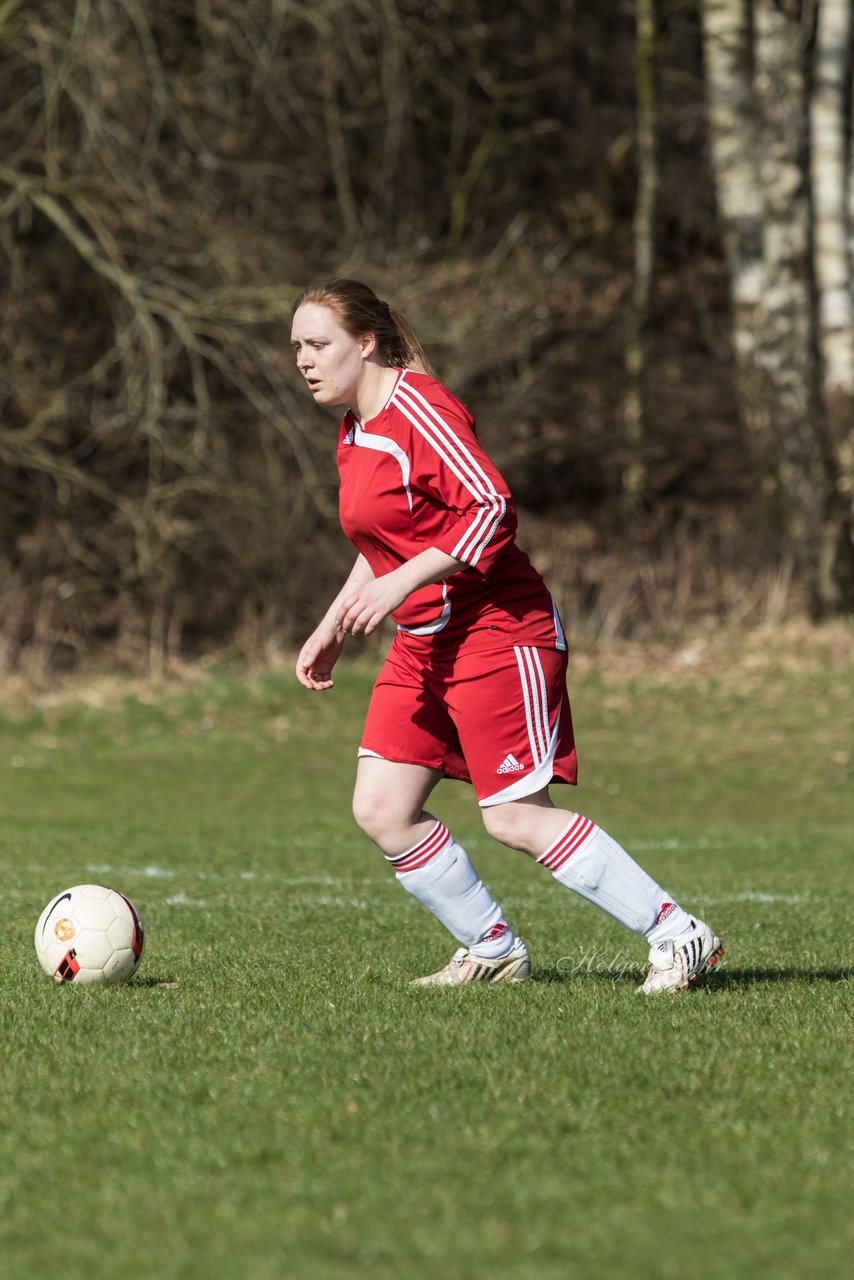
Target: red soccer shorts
500,719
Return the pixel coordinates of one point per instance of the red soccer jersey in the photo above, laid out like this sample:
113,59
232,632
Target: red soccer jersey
415,477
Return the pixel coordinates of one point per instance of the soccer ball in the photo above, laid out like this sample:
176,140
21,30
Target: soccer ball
89,934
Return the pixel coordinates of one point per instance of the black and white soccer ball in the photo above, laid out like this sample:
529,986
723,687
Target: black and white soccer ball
89,934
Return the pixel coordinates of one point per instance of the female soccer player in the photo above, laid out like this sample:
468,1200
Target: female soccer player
474,685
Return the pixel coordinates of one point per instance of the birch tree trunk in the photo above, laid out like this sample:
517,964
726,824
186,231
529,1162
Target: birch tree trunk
832,187
786,354
758,113
634,475
727,55
851,171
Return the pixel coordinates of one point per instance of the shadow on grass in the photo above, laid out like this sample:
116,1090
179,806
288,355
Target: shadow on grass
722,979
758,977
153,980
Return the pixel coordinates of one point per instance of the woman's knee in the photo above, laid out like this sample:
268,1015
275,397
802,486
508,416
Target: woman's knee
374,812
529,824
389,799
385,816
508,824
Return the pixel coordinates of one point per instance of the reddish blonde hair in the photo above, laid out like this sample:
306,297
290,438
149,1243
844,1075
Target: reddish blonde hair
359,311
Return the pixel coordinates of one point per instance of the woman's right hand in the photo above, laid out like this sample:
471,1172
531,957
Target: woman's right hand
318,656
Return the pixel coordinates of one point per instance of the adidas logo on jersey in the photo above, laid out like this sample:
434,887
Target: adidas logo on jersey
510,765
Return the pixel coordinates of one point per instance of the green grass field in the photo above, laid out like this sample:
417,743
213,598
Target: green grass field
267,1098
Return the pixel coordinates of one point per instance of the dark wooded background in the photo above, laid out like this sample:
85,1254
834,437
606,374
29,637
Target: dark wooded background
174,173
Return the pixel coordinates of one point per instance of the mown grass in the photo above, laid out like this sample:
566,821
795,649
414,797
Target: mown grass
269,1099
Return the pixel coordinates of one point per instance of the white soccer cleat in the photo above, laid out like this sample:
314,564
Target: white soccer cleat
464,967
677,963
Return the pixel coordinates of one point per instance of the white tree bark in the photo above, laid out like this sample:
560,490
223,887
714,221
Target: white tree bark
754,53
786,354
634,474
851,173
735,151
833,217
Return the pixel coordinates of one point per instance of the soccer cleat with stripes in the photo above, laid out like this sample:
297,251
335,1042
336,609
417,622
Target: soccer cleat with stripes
678,963
464,967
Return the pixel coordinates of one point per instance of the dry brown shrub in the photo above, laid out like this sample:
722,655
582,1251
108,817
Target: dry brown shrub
173,174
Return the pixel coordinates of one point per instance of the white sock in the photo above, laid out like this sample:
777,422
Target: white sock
437,872
585,859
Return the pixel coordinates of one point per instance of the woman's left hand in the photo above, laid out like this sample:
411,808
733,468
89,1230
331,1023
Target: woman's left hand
364,609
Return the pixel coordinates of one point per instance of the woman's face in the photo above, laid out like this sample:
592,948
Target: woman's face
328,357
